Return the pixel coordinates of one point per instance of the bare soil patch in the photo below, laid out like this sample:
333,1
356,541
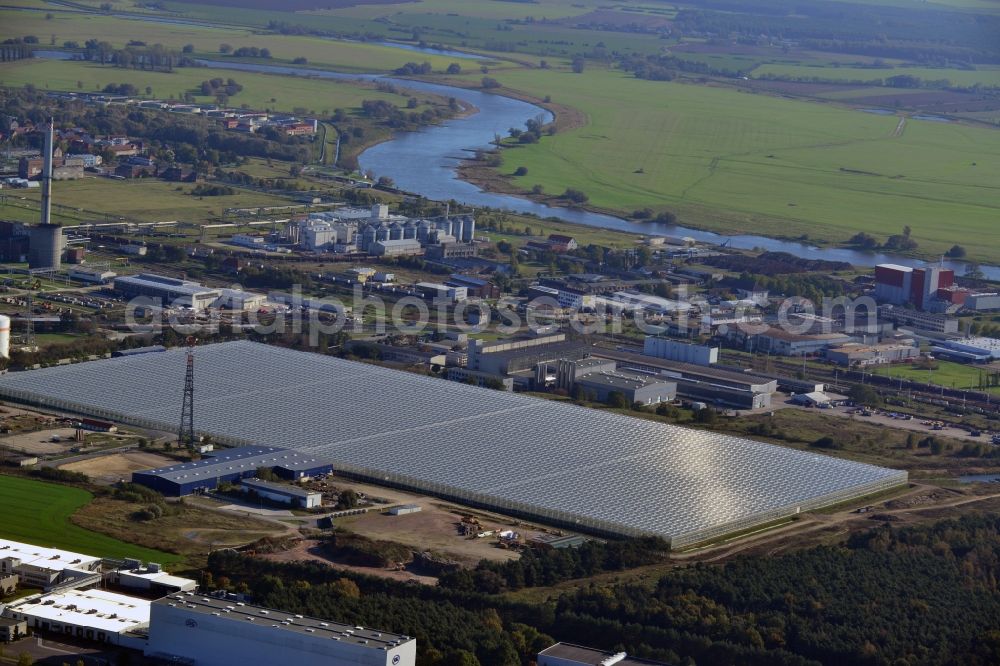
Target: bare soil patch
111,468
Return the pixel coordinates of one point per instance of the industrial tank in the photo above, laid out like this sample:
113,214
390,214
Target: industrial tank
4,336
45,246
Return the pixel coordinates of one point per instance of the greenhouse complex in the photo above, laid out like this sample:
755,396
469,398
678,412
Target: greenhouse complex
555,462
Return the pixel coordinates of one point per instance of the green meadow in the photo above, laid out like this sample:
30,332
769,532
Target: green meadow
38,513
741,162
80,26
260,91
984,75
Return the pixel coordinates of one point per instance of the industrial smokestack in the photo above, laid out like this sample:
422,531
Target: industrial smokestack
47,175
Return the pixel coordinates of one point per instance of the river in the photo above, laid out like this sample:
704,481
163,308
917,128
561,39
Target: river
424,162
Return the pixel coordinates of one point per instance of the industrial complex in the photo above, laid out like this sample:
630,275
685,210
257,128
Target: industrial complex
556,462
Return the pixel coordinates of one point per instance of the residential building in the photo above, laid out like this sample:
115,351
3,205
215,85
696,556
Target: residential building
189,628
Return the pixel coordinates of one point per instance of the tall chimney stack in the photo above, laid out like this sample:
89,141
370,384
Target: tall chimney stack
47,175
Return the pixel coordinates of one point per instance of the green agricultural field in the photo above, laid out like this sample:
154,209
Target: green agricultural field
947,373
147,199
260,91
983,75
740,162
81,26
488,9
38,512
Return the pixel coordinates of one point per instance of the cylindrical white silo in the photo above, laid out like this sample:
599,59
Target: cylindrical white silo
4,336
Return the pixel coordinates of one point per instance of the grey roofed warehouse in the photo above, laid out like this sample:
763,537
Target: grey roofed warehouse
552,461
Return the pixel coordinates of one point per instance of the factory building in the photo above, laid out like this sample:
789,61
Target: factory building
863,355
981,302
206,631
975,350
150,578
635,388
228,466
237,299
434,290
283,493
93,615
40,567
898,285
507,357
399,247
91,275
567,654
675,350
917,320
167,291
786,343
709,384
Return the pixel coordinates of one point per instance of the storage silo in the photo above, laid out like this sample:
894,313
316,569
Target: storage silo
45,246
4,336
469,229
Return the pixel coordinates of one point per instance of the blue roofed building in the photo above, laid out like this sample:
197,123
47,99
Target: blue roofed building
230,466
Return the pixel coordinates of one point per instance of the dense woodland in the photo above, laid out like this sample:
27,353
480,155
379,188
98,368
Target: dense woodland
925,595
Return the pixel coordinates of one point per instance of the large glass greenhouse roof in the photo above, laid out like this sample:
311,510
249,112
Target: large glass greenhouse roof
552,460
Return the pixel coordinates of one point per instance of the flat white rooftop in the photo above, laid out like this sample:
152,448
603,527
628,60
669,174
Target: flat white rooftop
45,558
553,461
103,611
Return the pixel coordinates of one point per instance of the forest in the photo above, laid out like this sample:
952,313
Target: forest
920,595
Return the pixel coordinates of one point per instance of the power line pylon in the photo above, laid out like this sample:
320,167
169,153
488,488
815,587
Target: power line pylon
185,436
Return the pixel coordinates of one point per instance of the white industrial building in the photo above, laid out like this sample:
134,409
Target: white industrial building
976,349
92,275
675,350
95,615
169,292
282,492
237,299
635,301
567,654
206,631
151,577
42,567
435,290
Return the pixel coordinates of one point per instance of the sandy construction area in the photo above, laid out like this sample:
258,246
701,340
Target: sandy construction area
38,443
110,468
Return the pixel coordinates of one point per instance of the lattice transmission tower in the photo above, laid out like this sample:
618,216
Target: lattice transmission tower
185,436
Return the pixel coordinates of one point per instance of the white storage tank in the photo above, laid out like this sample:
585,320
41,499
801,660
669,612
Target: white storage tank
4,336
